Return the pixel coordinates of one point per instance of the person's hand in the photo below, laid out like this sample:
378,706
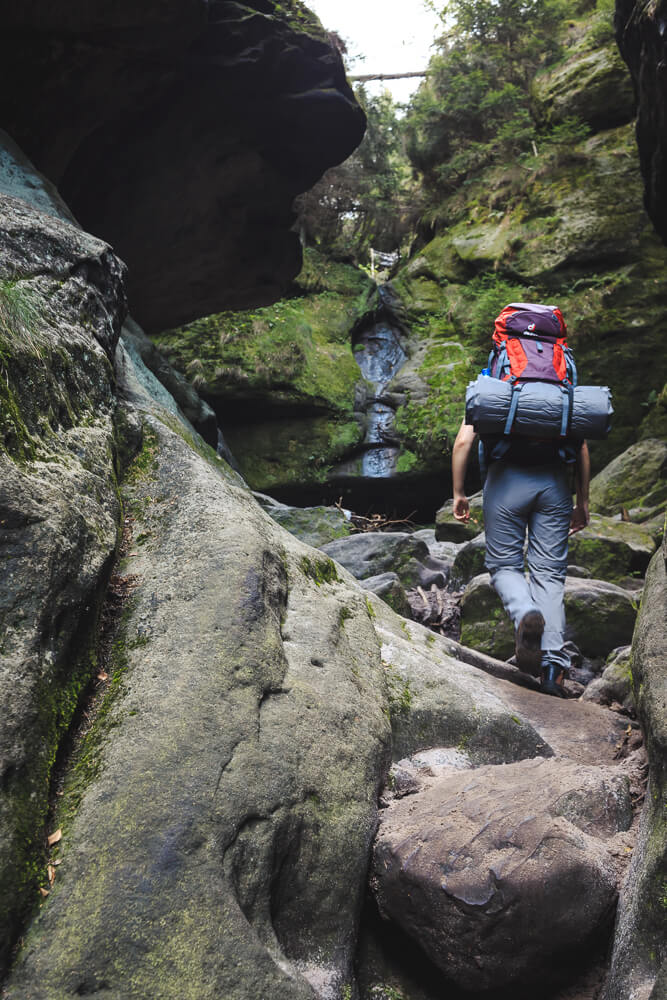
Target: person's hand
580,517
461,508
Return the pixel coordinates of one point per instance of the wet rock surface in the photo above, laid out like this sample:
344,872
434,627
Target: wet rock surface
371,553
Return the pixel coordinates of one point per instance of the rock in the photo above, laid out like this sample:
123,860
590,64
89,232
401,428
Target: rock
469,561
615,683
591,85
192,406
315,526
283,379
390,589
62,302
639,954
500,885
221,841
644,48
254,94
637,477
600,616
578,571
443,551
448,529
375,552
611,550
438,700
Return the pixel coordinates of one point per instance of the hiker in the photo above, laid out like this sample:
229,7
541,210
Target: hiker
528,488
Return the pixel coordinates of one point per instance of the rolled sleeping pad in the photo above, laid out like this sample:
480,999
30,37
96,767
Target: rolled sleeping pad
540,409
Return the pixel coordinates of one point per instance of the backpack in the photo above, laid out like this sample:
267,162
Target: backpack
530,346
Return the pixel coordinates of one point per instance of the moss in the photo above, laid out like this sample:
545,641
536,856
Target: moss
344,615
372,614
399,693
320,570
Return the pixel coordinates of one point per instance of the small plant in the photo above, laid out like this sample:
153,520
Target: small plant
19,317
320,570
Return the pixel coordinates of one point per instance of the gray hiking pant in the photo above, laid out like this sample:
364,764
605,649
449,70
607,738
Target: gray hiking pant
537,499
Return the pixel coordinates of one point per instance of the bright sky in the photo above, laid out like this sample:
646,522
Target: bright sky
393,36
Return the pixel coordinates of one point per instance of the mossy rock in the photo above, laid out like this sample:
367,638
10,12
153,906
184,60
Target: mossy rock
615,682
600,616
484,624
313,525
637,477
293,451
469,561
591,86
389,587
448,529
612,550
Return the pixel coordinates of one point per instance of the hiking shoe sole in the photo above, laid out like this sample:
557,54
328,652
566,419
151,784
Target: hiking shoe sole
528,643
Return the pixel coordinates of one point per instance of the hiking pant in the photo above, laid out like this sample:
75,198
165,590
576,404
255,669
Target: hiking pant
537,499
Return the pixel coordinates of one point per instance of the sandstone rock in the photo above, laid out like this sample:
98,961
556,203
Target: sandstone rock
391,590
254,94
222,843
315,526
637,477
615,682
592,85
61,305
644,48
443,551
448,529
600,616
398,552
500,884
192,406
469,561
639,955
436,700
611,550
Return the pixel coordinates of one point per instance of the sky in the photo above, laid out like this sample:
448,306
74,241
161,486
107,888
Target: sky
393,36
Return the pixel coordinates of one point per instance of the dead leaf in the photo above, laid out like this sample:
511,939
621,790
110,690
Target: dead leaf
54,838
43,891
51,874
102,676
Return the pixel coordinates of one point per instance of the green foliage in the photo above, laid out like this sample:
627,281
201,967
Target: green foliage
369,199
474,108
19,318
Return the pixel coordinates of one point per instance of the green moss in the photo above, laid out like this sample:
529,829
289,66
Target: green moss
372,614
145,462
343,615
399,692
320,570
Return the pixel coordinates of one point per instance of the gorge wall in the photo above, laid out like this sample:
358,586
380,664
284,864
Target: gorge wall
205,829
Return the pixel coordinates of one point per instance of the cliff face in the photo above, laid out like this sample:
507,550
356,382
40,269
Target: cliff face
181,134
640,31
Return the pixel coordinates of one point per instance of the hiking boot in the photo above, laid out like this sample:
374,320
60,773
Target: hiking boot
528,640
551,680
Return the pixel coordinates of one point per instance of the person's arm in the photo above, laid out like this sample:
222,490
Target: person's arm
460,452
580,514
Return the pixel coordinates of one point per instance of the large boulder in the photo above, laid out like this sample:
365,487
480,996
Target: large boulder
374,552
600,616
116,103
639,959
218,822
611,549
635,478
500,885
62,303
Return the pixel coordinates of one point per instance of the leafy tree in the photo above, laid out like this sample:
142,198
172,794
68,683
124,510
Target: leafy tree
475,105
366,201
